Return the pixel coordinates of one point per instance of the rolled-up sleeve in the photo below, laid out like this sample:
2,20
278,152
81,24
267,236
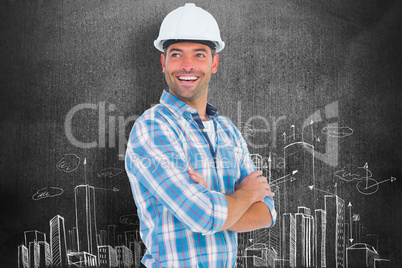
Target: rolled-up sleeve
155,160
269,201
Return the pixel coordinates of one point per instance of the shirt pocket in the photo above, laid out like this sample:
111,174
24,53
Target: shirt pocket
238,151
234,152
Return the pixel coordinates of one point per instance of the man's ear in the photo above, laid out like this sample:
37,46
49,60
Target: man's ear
215,62
163,62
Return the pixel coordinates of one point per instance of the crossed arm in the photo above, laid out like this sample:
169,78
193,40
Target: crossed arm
245,210
152,172
256,217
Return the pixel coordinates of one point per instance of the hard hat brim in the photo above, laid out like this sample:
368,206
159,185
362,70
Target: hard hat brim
219,43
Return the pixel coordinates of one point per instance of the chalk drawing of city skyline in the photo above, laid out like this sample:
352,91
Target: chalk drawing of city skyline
306,234
83,245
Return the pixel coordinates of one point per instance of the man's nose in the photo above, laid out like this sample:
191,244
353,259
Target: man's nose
187,64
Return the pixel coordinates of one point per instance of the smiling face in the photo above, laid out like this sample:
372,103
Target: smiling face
188,68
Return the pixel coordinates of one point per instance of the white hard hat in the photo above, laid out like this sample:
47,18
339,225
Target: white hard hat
189,22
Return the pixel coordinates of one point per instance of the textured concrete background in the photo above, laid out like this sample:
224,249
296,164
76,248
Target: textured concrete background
283,59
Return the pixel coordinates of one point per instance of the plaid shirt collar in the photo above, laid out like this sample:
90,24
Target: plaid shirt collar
179,107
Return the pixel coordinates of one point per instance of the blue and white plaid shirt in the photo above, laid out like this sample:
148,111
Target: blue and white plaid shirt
179,218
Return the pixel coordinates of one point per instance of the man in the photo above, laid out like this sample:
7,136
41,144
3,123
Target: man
191,174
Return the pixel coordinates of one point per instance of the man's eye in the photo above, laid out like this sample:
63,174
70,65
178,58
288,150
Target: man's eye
175,55
200,55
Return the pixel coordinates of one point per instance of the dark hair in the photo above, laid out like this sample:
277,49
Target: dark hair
213,51
167,43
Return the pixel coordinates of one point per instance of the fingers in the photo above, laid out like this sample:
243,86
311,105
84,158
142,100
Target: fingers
268,189
270,194
192,174
196,177
190,168
256,173
264,182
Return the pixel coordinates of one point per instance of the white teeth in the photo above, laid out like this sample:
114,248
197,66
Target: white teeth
188,78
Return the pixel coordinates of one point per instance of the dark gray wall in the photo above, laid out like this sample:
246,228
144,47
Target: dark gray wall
284,61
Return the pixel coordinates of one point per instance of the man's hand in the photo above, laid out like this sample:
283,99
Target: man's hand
197,177
253,184
249,192
256,186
